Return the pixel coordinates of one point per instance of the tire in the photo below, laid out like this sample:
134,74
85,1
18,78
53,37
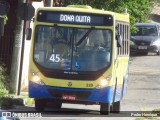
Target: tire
116,107
54,104
57,105
104,108
158,53
39,104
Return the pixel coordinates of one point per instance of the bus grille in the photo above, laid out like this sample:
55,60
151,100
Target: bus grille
59,93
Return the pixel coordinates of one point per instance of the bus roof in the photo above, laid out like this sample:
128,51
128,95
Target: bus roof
88,9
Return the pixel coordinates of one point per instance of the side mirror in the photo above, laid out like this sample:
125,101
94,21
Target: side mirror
1,26
119,40
28,34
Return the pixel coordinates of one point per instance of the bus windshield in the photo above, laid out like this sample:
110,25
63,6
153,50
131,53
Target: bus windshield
76,49
146,31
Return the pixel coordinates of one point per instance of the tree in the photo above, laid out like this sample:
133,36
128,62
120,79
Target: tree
138,9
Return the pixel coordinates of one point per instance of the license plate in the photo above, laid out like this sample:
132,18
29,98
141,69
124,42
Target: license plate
142,47
68,97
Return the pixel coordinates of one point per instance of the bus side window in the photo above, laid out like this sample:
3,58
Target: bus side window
118,37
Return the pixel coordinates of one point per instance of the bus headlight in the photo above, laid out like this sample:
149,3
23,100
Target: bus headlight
37,80
103,83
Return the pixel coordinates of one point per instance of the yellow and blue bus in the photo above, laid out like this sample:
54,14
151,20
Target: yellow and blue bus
79,55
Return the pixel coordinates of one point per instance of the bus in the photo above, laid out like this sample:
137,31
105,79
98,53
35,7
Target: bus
79,55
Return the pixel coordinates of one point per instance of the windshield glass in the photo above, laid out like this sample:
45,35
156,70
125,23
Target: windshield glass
72,48
145,31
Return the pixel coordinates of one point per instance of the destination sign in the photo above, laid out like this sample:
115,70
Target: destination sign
75,18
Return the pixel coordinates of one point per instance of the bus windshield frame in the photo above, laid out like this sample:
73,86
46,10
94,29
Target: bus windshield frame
79,45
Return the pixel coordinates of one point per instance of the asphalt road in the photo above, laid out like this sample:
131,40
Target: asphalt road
143,94
144,84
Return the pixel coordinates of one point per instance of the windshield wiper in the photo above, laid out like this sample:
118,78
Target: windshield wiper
83,38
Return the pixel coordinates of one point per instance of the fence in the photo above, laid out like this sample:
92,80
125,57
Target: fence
6,41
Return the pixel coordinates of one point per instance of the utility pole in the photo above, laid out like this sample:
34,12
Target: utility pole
25,12
15,66
22,49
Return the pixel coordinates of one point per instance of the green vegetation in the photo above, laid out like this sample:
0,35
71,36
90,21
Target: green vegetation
138,9
28,101
157,111
5,18
4,78
7,101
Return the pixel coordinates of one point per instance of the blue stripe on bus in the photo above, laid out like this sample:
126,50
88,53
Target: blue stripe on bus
96,95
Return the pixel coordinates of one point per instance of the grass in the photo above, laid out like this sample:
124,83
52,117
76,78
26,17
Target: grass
27,101
157,111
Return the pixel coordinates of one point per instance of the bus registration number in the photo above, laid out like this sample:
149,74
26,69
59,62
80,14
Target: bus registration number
68,97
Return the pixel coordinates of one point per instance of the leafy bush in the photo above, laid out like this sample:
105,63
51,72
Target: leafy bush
6,102
3,92
156,111
29,101
4,78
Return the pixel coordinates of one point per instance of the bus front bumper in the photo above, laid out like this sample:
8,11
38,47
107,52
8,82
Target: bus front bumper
79,94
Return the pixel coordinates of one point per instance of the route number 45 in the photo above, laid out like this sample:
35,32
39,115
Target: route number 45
55,58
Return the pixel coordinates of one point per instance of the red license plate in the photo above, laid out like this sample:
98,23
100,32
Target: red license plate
68,97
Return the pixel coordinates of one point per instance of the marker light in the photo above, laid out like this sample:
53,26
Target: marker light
103,83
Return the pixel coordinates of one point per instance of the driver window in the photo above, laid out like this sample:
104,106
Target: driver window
97,39
42,43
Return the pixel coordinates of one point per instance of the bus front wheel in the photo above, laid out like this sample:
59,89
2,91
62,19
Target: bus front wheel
56,104
39,104
104,108
158,52
116,107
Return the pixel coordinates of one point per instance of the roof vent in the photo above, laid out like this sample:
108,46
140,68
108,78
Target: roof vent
80,6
